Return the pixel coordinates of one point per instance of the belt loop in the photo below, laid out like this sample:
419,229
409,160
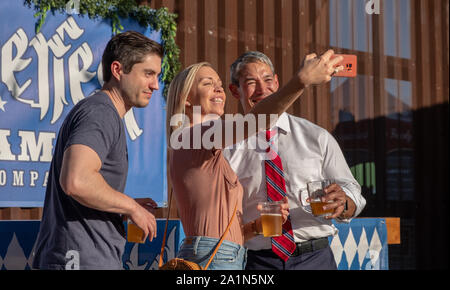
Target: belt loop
242,249
242,255
195,244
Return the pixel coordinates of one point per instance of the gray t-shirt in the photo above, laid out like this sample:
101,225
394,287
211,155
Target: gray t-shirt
71,235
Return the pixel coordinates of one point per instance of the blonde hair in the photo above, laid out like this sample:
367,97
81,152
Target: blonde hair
177,95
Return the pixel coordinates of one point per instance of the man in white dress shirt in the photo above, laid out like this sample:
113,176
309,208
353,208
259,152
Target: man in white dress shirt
308,152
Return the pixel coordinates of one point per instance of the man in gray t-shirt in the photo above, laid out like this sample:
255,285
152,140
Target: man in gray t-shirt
82,226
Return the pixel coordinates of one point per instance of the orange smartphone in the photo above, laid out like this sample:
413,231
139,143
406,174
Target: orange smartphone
350,65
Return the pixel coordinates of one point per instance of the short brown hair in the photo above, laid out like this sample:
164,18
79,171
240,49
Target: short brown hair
128,48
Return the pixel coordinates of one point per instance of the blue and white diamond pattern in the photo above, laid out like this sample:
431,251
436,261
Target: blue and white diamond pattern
15,257
361,245
18,239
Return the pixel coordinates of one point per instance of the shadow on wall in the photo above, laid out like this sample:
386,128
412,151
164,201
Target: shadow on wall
401,162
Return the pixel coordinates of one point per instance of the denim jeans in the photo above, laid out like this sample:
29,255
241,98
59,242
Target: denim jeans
230,256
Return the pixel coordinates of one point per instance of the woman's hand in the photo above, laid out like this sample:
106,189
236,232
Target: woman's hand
318,70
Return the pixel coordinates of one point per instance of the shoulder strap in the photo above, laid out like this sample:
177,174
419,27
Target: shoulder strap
163,245
222,238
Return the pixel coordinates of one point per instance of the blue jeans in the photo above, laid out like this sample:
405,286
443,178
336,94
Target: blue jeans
230,256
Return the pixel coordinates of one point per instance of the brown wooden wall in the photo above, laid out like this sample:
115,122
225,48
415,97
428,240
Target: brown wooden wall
218,31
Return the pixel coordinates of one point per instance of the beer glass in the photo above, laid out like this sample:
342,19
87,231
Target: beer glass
315,193
271,219
134,233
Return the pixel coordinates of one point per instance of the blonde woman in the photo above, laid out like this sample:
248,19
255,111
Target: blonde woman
205,187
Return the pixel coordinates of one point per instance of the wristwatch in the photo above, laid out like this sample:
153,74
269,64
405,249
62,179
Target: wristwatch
342,216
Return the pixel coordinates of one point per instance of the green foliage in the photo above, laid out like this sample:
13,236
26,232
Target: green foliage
159,19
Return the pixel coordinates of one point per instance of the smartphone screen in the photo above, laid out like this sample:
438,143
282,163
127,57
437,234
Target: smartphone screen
350,65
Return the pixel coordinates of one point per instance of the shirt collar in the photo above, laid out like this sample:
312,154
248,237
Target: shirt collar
283,123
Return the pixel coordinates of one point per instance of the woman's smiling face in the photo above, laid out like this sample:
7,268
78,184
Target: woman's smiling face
207,92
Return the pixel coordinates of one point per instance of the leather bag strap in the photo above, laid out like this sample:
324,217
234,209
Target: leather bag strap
163,245
217,246
222,238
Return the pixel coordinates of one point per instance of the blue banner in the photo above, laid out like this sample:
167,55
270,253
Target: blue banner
18,238
42,77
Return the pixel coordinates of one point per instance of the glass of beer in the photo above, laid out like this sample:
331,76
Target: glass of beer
315,194
134,233
271,219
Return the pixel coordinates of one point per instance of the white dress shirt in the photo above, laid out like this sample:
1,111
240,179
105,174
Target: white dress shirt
308,152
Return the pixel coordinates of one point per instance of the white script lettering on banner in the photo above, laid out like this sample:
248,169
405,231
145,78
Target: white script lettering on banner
79,72
12,64
43,71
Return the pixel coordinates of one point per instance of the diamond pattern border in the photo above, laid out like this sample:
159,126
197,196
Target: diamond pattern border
359,245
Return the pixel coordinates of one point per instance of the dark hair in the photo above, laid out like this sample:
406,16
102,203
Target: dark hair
128,48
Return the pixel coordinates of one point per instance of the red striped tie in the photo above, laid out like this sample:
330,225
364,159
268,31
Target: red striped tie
283,245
